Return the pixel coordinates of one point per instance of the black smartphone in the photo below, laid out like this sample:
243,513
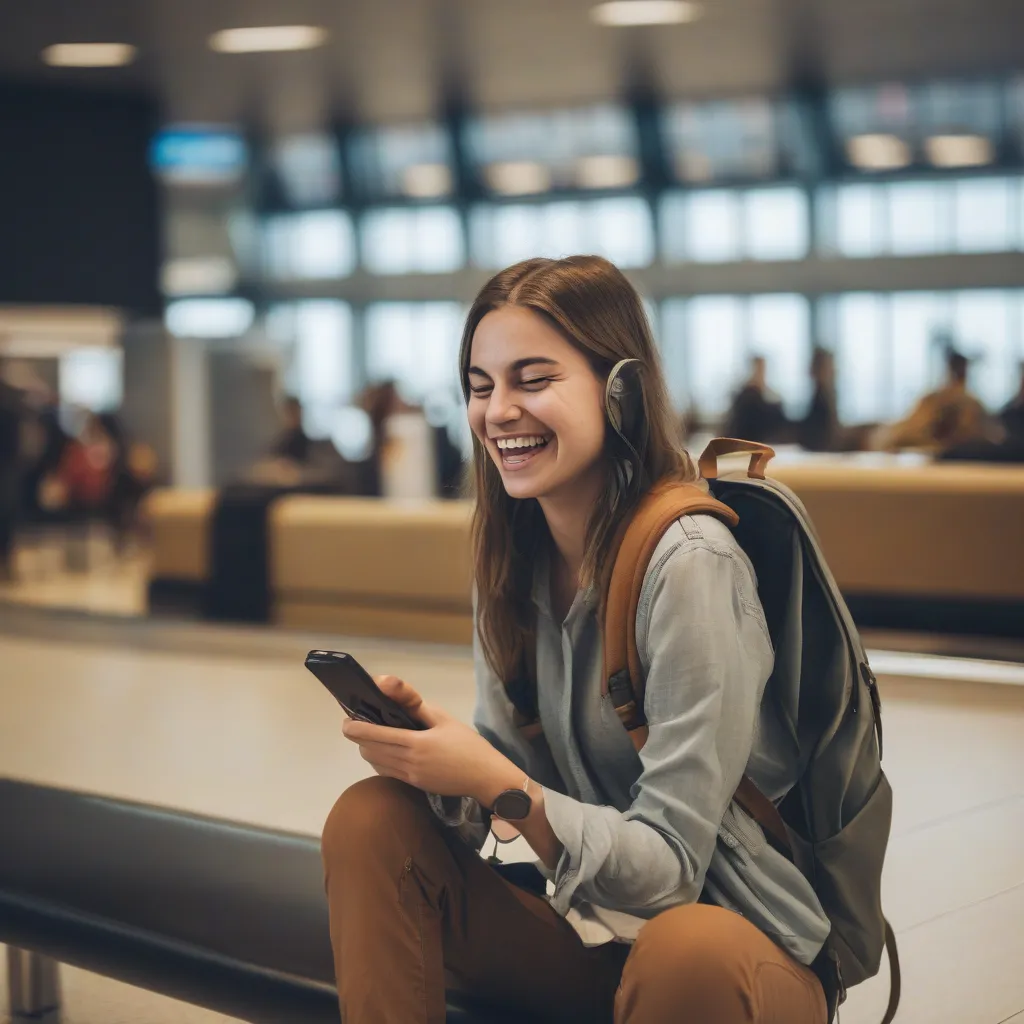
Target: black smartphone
354,689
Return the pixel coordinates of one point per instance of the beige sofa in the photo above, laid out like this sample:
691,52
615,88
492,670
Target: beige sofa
372,568
179,523
941,531
952,533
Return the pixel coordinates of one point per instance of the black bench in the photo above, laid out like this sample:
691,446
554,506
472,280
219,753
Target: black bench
222,915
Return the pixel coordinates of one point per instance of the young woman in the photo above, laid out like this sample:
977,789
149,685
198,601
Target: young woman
666,904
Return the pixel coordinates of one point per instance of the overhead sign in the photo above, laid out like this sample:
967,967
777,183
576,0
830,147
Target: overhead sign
198,155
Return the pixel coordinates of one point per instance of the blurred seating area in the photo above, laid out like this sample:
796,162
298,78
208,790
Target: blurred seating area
912,545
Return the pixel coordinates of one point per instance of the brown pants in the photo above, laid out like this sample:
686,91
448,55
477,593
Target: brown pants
410,903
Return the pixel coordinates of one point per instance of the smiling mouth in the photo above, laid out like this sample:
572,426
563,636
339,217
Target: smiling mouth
515,458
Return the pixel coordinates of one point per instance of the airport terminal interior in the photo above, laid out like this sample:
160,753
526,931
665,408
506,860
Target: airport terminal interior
238,244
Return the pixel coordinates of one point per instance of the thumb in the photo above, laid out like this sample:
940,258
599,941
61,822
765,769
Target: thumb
402,693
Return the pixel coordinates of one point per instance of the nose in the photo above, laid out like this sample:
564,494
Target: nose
501,408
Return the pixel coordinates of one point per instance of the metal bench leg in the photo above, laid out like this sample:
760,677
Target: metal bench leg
33,986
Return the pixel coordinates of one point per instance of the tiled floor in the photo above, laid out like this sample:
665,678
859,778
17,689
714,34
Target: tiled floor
229,723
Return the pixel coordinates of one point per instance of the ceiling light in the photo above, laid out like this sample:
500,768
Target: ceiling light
959,150
878,152
620,13
607,171
89,55
266,38
518,177
427,181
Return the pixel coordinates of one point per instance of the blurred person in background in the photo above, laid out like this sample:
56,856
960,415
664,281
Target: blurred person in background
1004,442
945,418
133,472
47,440
572,426
292,443
1012,415
83,482
380,402
756,413
819,430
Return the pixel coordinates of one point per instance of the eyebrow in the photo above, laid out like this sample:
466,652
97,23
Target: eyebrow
519,364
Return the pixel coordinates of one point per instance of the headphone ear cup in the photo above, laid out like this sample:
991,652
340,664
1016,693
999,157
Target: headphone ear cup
622,397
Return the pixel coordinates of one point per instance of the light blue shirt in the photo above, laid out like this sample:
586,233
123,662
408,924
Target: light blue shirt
645,832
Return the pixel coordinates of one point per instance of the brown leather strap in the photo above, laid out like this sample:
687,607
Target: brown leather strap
659,508
760,456
764,812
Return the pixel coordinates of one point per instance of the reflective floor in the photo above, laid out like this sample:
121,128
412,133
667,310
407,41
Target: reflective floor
227,722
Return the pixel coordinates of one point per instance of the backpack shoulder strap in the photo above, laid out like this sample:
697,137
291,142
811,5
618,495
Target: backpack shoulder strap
657,511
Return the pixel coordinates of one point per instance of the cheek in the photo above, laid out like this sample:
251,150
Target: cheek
579,426
475,412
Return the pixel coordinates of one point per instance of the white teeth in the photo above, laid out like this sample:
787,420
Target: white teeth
520,442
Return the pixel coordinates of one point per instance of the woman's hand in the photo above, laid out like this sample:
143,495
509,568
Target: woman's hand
448,758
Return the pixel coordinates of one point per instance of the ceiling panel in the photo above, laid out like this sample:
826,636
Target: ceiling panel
390,59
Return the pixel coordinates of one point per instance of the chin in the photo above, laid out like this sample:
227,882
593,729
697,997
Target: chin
523,490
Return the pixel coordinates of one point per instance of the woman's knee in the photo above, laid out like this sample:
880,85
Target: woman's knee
685,957
716,961
367,815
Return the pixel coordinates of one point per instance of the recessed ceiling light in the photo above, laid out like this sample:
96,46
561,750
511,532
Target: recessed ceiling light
89,55
427,181
959,150
267,38
620,13
518,177
880,152
607,171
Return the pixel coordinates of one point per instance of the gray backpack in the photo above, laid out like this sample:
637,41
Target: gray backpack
834,822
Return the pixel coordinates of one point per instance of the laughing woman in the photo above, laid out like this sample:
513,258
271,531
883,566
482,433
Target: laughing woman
655,912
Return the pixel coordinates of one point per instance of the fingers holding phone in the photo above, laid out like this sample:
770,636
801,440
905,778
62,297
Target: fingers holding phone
407,698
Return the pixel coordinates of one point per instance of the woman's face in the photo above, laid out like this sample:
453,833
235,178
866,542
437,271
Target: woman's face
535,404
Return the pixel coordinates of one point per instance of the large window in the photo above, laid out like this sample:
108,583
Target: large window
723,225
403,160
319,244
922,217
533,152
319,335
707,343
722,139
415,344
309,169
407,240
890,347
618,228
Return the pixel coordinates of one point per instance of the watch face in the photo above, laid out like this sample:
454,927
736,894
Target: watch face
512,805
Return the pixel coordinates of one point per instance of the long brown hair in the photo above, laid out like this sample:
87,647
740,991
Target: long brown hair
590,302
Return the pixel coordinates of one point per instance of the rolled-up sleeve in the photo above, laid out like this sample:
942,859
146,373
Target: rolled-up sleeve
704,646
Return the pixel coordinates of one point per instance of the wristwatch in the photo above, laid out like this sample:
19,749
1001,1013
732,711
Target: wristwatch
513,804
